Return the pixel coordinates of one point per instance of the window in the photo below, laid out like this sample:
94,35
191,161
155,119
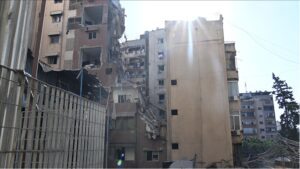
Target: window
54,38
161,82
92,35
161,98
57,1
56,18
108,71
174,112
259,108
125,153
233,89
160,40
161,68
152,155
269,108
121,98
249,131
263,137
262,130
261,122
161,55
52,59
162,114
231,62
235,122
74,23
173,82
175,146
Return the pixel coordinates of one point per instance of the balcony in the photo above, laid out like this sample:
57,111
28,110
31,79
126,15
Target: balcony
232,75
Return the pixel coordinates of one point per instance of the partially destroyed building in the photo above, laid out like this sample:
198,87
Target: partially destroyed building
156,79
132,141
44,124
83,33
134,60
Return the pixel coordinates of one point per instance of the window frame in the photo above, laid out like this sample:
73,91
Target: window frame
52,38
92,35
52,57
55,16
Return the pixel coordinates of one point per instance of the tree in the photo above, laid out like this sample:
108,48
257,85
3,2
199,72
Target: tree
290,117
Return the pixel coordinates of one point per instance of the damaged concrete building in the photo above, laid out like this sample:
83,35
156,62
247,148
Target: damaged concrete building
132,139
83,33
43,125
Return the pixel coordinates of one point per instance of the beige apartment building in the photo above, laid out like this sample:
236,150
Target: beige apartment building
198,111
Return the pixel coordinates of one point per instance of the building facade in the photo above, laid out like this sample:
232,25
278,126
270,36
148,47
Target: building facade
157,62
197,99
134,60
258,115
234,101
83,33
42,126
130,143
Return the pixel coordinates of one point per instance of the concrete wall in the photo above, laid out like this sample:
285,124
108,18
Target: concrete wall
154,61
196,59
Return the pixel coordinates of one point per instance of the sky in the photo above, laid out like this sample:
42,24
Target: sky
266,34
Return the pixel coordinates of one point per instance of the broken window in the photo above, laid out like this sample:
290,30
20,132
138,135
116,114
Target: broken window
175,146
92,15
54,38
108,71
121,98
91,57
56,18
152,155
52,59
160,82
92,35
74,22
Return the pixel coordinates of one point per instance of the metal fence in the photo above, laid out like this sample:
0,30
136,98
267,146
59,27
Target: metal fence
45,126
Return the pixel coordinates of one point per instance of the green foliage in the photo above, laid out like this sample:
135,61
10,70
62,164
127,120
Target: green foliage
290,117
254,146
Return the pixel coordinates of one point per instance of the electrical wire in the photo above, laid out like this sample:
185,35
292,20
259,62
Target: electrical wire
260,44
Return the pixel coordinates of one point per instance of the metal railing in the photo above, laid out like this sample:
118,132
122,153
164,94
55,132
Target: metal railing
45,126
